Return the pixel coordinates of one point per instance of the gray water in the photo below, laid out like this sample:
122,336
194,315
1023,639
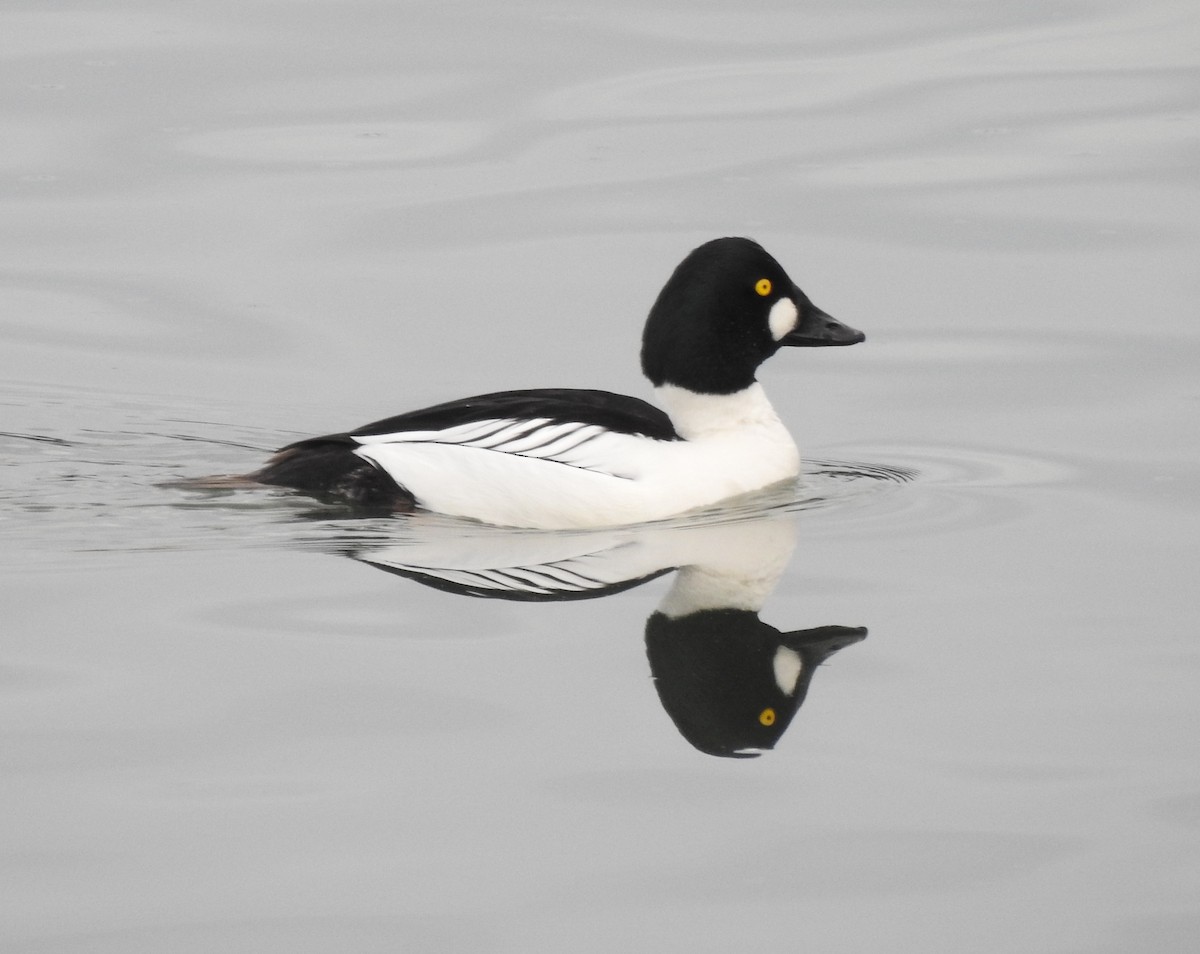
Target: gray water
229,226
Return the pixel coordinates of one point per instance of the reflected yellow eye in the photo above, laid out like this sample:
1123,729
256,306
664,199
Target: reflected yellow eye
767,716
763,287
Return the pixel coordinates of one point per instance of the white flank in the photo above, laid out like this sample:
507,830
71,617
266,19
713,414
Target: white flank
534,473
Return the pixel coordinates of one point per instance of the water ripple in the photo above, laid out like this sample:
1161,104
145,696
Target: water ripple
94,473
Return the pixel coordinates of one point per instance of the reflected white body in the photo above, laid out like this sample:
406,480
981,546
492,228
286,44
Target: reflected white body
723,564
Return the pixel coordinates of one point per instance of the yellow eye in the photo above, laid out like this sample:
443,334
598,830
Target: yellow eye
763,287
767,716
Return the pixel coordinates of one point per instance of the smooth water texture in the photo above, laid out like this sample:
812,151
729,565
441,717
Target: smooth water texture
243,721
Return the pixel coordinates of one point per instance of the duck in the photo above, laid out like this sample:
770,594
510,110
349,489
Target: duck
573,458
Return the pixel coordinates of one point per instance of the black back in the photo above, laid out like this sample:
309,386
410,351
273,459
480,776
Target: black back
615,412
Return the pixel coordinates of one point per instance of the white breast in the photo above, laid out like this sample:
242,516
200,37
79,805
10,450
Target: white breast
535,473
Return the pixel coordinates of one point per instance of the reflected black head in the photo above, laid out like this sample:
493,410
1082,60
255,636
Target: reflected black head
715,675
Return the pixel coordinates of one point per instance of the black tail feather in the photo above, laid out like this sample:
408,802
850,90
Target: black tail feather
331,470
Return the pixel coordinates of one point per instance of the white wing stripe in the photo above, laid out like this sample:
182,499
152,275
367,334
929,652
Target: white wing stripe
504,437
541,436
558,449
537,438
510,436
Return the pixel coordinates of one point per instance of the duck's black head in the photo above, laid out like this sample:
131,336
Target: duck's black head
727,308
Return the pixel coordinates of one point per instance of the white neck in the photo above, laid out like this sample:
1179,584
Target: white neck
696,415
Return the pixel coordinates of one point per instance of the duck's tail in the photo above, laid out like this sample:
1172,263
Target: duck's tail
329,469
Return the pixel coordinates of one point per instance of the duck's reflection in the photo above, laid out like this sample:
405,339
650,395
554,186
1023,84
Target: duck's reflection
730,682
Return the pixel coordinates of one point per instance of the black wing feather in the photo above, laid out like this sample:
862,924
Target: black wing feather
328,468
614,412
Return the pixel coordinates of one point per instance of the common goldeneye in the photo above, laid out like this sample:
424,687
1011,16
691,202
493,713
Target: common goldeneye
570,458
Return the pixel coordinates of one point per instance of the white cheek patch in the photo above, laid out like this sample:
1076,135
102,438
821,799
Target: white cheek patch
788,666
782,318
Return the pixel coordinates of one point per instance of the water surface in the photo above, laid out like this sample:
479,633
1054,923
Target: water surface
245,722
